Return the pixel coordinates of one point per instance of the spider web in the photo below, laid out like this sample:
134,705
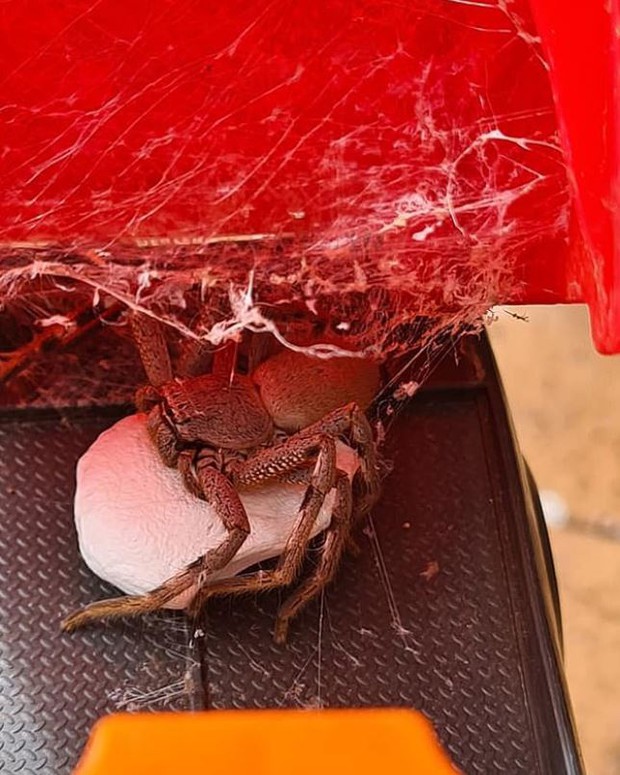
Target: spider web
361,164
376,173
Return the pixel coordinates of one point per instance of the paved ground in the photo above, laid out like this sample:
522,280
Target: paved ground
565,400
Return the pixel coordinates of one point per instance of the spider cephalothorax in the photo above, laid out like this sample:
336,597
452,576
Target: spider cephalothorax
225,431
223,412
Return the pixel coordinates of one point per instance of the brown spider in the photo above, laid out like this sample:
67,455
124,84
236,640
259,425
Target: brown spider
225,431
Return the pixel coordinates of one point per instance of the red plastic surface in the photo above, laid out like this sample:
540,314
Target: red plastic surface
583,48
140,120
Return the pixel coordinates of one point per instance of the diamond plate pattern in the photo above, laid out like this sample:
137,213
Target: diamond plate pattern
53,686
384,634
445,645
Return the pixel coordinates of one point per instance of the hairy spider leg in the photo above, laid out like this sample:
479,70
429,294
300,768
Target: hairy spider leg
294,453
148,335
349,422
219,492
316,441
335,542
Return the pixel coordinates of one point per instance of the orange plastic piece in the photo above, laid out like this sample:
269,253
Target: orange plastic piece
266,743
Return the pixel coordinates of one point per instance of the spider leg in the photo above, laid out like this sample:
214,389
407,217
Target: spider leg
162,436
336,539
132,605
279,462
322,480
148,334
219,492
146,398
196,358
348,422
302,476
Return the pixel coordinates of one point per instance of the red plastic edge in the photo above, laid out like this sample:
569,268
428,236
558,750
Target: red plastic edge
583,49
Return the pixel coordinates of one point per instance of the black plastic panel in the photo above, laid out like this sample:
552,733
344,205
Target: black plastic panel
443,611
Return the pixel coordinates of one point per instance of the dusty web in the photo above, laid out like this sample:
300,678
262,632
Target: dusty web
390,166
173,694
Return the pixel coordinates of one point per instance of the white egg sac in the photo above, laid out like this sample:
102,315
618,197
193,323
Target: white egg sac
137,525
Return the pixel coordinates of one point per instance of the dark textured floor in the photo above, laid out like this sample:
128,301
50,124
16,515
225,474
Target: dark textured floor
449,642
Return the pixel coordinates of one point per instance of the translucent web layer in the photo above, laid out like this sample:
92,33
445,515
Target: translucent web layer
367,163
